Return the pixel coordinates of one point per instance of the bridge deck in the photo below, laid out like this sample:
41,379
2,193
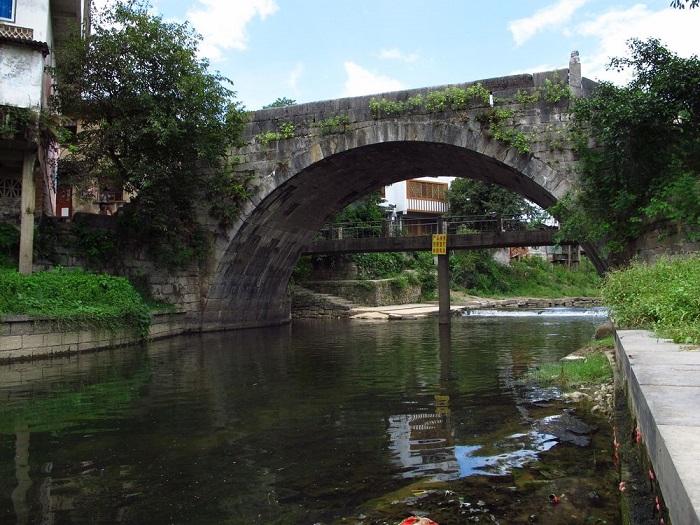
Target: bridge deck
469,241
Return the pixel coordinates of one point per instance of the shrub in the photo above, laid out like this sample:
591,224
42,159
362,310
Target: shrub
664,297
74,297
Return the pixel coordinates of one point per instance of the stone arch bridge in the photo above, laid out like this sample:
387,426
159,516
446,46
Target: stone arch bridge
339,150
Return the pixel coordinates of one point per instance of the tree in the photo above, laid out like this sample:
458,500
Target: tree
473,197
281,102
680,4
154,121
639,148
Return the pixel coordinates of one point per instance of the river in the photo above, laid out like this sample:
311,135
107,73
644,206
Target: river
316,422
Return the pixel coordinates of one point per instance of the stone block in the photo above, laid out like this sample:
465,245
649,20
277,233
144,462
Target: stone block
53,339
10,342
70,338
33,341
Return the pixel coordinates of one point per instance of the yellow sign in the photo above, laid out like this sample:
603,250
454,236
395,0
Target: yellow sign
439,244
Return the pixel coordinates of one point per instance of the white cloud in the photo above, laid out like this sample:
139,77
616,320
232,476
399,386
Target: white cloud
222,23
293,78
360,81
676,29
524,29
396,54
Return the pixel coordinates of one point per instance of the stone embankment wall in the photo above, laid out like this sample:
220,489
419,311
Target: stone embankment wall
181,288
370,292
307,304
24,338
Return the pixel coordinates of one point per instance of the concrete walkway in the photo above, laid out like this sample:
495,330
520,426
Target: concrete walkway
663,382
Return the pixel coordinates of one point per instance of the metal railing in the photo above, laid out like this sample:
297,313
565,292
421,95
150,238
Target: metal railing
421,227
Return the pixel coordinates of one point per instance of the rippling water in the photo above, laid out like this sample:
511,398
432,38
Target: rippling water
298,424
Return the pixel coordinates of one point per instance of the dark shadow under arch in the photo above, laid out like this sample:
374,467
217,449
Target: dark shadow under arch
249,286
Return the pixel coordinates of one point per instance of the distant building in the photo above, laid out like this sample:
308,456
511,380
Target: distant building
29,32
414,201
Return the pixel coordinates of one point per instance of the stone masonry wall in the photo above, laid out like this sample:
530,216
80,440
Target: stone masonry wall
374,292
24,338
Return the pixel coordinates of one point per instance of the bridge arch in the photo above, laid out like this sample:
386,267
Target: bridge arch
310,178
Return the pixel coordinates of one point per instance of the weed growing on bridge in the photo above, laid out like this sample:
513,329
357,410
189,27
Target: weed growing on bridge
555,91
497,120
525,98
285,130
450,98
337,124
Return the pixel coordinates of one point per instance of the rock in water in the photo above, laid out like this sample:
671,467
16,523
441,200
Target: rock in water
604,330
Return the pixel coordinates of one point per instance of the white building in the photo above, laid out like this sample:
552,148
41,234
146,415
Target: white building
29,32
419,197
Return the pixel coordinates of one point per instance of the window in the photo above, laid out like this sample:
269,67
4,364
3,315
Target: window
7,10
434,191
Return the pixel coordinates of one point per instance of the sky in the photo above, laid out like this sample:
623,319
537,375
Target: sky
311,50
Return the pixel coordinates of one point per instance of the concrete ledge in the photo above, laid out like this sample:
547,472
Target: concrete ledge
23,338
663,385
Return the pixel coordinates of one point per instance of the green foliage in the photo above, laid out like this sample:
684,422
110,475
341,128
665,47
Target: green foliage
473,197
525,98
643,164
555,91
74,297
379,265
592,370
382,107
499,122
281,102
337,124
17,122
154,121
477,272
9,245
664,297
284,131
450,98
98,246
361,212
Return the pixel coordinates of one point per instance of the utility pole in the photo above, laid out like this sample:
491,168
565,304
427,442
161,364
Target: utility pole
443,256
26,229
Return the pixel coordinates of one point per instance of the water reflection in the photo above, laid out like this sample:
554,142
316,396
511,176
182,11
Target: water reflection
304,422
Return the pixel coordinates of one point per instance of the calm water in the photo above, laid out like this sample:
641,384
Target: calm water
319,422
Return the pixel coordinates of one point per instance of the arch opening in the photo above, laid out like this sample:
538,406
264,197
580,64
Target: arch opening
249,285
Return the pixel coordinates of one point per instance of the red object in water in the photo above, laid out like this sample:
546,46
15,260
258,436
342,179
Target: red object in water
415,520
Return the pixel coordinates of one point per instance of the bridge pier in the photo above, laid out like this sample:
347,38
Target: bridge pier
444,315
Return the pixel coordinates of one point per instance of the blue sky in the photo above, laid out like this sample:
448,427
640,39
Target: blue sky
319,49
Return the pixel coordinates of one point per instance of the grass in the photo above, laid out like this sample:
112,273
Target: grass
75,298
528,277
594,369
664,297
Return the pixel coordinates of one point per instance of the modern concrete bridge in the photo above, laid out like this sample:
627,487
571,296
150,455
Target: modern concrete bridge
410,235
308,161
